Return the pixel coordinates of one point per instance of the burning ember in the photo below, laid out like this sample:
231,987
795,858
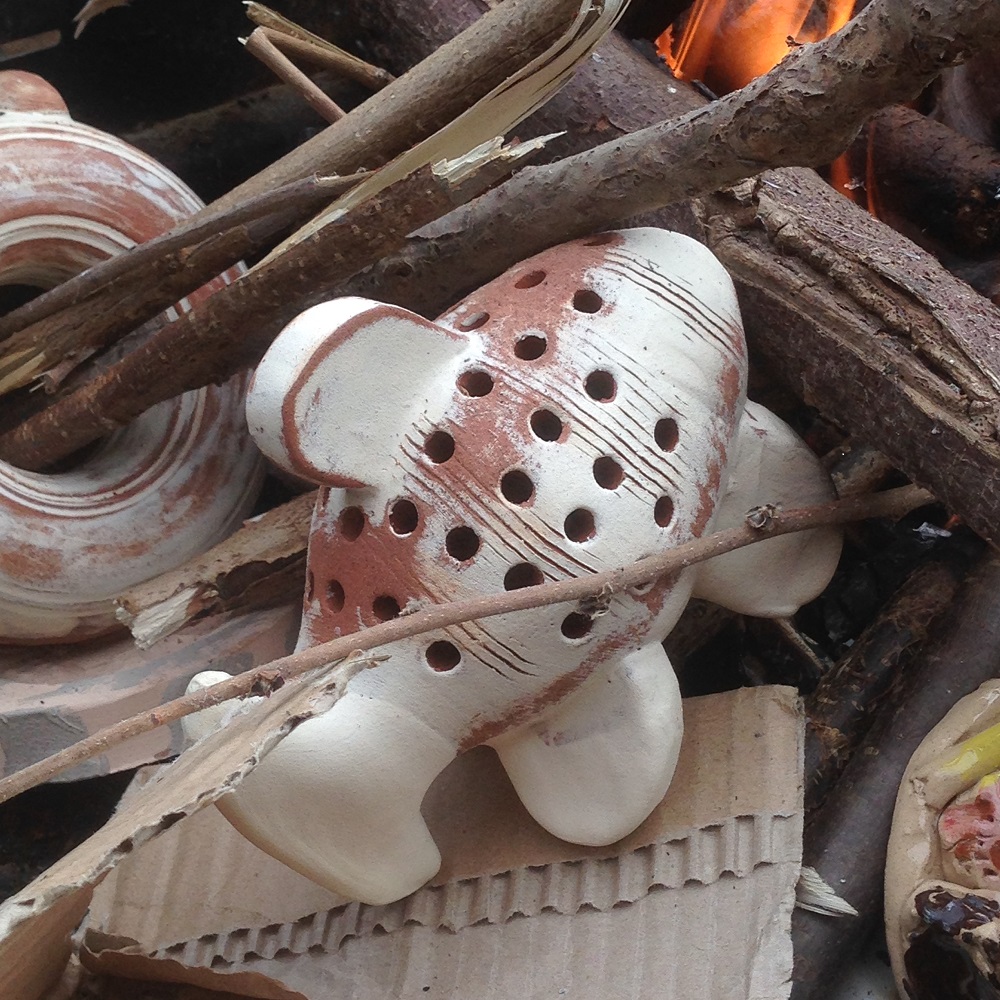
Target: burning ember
727,43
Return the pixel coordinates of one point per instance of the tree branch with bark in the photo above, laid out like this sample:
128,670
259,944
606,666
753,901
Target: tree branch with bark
805,111
410,110
856,319
241,319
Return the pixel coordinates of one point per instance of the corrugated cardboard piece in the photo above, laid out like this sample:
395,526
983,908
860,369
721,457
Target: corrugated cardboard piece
697,902
36,923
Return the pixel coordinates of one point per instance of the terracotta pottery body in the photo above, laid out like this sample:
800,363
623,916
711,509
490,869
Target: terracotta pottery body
176,481
584,410
942,879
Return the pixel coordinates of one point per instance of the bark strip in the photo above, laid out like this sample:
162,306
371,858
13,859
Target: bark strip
73,321
262,564
867,327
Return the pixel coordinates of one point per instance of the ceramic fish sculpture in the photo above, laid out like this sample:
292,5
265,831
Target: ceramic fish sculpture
584,410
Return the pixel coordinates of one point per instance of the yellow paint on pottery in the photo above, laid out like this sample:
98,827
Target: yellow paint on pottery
976,758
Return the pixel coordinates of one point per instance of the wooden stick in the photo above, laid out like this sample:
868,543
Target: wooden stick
804,112
850,697
307,191
295,40
274,292
432,94
260,45
331,59
934,184
860,469
145,279
871,330
761,523
20,47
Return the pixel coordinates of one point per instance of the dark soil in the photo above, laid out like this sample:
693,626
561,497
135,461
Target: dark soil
40,826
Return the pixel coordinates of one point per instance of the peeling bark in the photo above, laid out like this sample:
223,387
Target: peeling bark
870,330
261,565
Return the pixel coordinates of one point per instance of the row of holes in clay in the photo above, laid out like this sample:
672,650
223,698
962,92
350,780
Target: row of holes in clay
442,655
516,485
549,426
462,543
600,385
517,488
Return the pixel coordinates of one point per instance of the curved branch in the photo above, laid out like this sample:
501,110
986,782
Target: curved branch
147,278
804,112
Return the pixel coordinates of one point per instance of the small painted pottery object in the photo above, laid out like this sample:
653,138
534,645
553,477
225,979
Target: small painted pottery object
584,410
942,880
173,483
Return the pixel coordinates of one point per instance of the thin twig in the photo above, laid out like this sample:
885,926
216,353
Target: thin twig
261,47
761,523
20,47
332,59
296,40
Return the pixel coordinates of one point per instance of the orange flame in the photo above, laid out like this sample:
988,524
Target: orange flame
728,43
845,177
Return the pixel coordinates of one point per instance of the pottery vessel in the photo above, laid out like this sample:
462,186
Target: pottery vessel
173,483
582,411
942,881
